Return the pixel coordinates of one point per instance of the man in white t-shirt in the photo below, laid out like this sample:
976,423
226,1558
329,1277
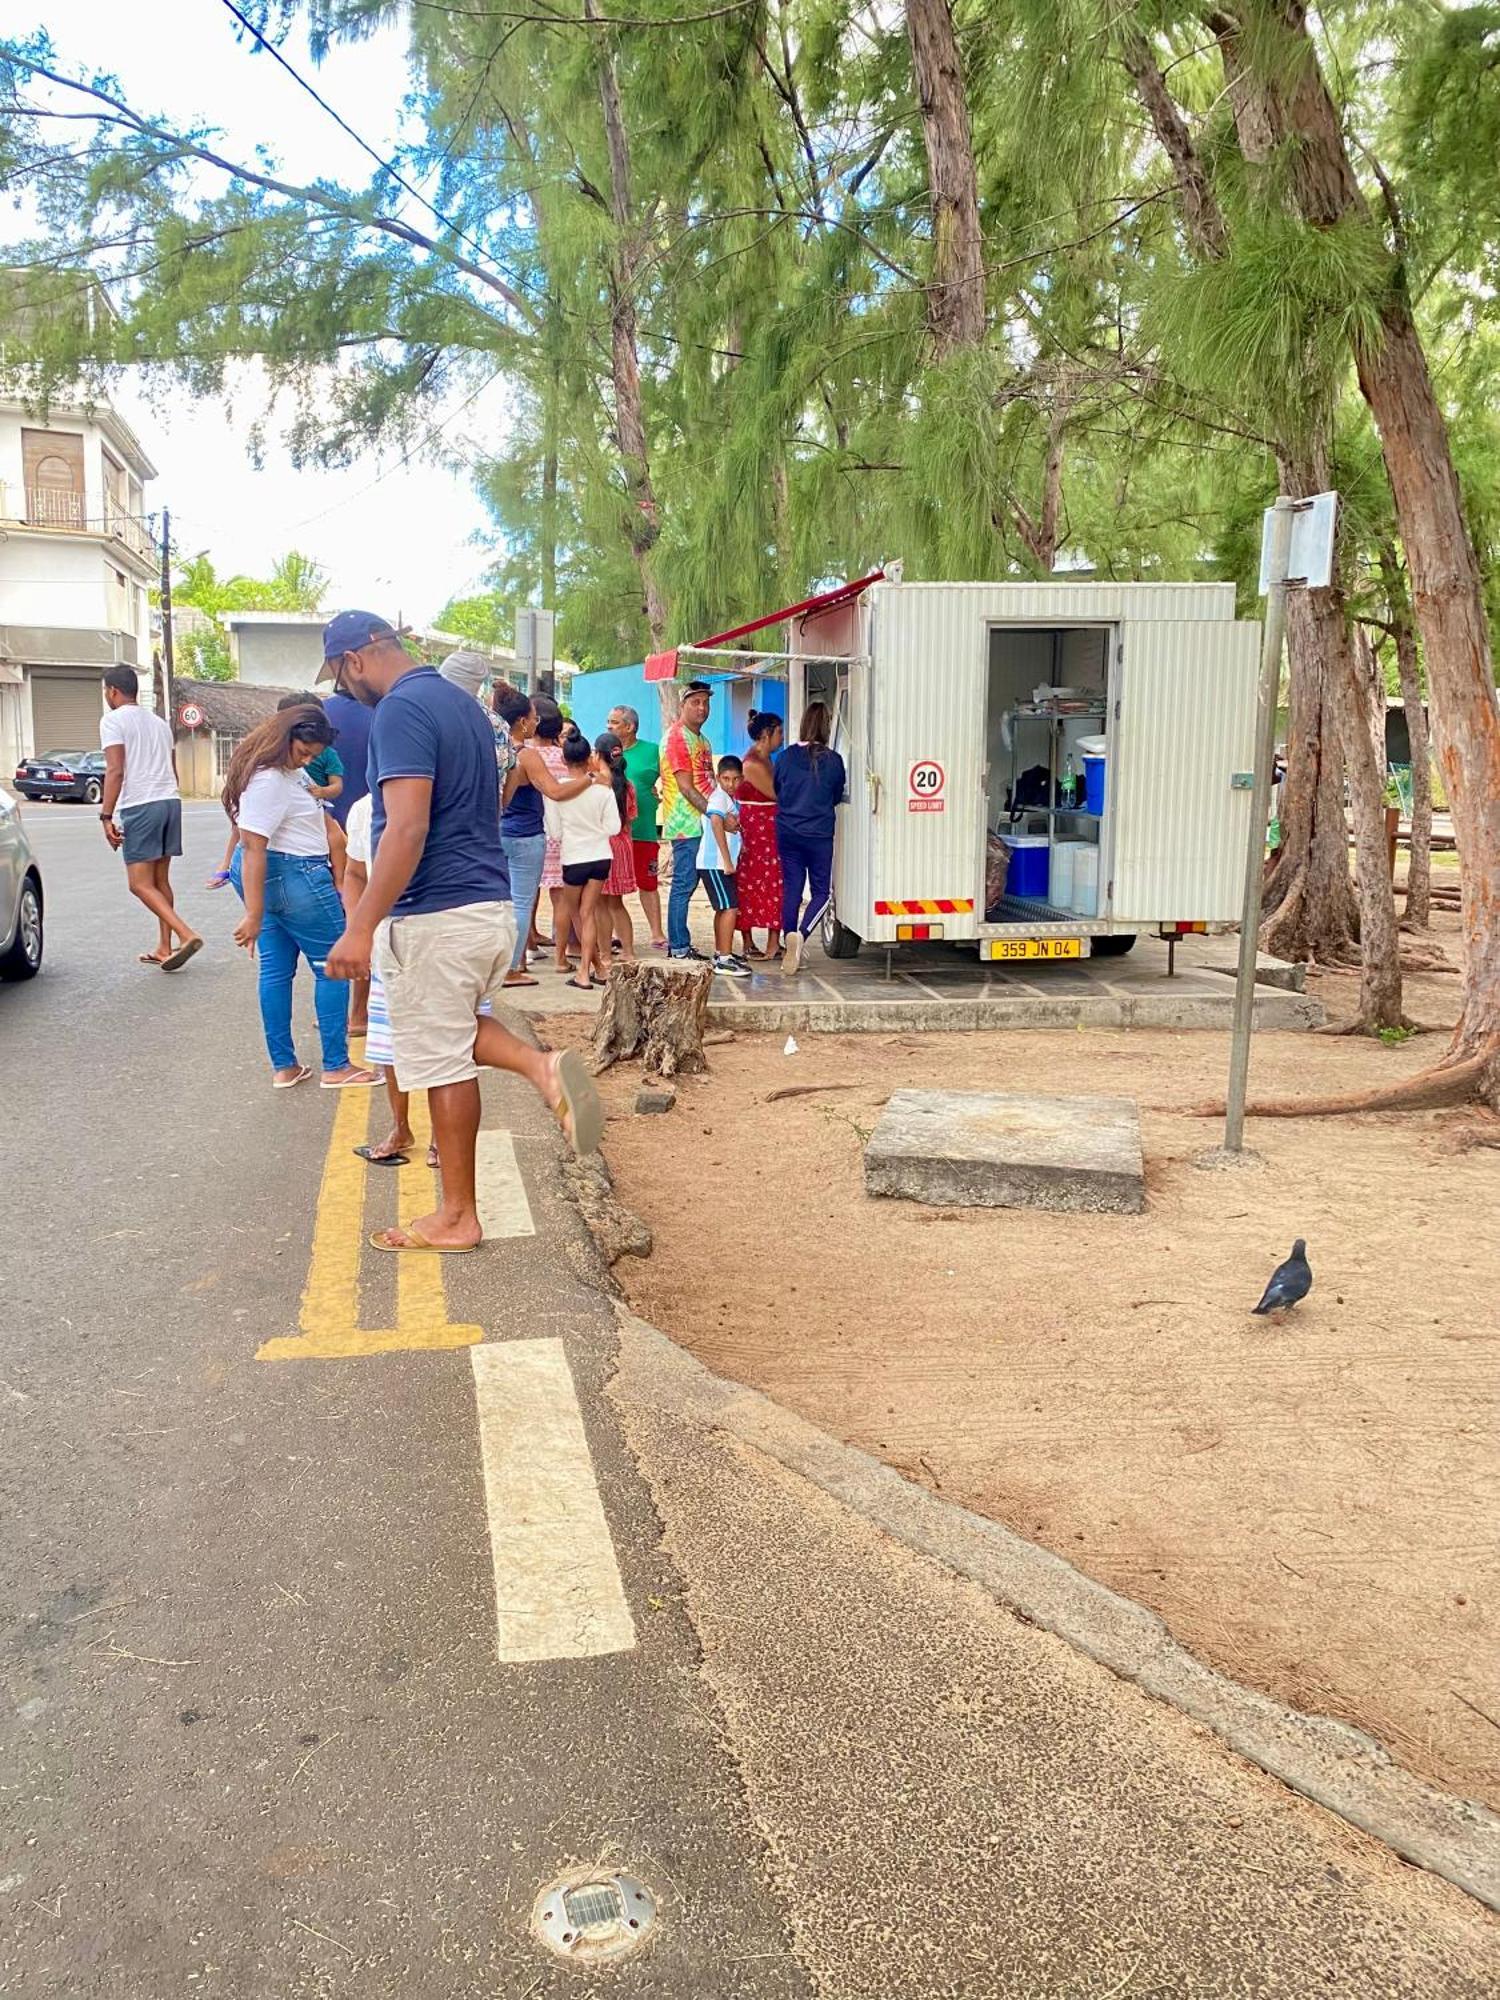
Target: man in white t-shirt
142,812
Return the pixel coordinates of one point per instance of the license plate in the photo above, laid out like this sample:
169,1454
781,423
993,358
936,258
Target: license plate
1032,948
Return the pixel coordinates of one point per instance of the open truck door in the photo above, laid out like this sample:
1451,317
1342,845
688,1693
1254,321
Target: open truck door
1181,748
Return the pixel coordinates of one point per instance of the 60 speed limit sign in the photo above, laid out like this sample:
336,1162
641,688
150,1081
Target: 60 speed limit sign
925,787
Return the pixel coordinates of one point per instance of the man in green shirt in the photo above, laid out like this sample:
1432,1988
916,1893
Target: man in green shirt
643,768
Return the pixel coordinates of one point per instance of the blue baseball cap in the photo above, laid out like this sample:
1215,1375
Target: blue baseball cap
349,631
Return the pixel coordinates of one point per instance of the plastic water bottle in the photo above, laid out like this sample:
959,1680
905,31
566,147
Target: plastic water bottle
1069,786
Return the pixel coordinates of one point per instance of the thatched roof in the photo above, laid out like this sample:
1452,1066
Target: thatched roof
233,706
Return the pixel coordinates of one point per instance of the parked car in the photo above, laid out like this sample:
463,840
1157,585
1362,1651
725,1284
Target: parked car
21,897
63,774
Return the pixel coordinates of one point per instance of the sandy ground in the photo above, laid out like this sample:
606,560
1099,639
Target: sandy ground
1312,1507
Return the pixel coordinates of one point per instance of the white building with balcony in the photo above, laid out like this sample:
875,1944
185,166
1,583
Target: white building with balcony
77,561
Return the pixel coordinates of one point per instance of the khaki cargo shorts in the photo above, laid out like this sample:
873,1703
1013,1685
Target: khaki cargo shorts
437,968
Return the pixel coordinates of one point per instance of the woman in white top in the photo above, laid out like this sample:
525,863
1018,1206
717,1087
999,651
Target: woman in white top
583,827
281,872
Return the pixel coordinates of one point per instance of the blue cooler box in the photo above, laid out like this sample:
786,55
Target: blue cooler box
1027,872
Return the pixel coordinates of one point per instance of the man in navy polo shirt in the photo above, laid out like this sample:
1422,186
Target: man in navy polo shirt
436,914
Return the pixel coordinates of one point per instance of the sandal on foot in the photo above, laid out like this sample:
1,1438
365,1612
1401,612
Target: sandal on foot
416,1242
378,1159
362,1079
291,1082
174,961
581,1112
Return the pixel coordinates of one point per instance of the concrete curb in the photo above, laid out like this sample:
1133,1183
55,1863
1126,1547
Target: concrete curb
911,1013
1337,1766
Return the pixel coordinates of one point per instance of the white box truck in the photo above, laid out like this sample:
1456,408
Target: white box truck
959,708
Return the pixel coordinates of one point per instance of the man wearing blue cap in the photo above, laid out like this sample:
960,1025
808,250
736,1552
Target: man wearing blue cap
436,915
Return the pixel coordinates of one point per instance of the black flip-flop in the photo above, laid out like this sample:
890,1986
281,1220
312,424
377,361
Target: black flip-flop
369,1155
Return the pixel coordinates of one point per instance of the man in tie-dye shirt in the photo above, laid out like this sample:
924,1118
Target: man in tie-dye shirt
687,778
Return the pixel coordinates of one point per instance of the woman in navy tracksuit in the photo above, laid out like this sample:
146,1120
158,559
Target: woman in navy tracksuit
810,782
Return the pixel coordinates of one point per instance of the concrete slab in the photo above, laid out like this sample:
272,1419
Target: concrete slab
972,1149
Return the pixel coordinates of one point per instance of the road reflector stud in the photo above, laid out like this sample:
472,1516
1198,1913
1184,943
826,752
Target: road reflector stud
593,1918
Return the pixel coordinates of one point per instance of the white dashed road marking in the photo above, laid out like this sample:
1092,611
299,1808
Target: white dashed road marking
558,1593
499,1190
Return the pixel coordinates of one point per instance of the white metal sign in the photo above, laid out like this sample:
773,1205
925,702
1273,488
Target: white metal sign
1311,559
534,640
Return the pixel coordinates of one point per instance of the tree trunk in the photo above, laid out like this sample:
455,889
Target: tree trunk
1040,531
1310,908
642,526
955,298
1447,596
1419,870
1201,216
657,1012
1314,914
1310,911
1379,945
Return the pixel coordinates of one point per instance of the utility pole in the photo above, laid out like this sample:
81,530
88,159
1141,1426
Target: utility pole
167,660
1272,636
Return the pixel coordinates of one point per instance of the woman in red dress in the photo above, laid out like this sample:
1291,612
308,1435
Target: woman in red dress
759,874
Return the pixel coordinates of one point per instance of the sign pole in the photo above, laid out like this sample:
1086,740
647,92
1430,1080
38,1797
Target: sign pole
1282,516
168,650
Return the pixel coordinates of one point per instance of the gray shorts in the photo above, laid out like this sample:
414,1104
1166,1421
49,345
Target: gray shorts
153,832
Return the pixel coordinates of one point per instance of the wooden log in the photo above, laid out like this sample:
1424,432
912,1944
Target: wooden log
656,1010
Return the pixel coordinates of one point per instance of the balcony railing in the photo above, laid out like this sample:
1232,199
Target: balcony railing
66,513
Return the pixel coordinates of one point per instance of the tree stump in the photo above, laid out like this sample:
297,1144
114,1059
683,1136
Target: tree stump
656,1011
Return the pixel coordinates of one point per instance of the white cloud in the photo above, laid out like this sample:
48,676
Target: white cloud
393,537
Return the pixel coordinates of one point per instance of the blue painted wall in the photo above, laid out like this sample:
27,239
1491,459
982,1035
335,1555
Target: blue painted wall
595,694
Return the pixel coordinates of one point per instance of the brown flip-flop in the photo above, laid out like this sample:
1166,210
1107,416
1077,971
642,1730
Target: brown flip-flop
175,961
581,1106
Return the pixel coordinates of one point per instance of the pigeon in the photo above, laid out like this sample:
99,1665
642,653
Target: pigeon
1289,1282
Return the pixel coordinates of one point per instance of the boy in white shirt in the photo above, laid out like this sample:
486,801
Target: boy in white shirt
718,859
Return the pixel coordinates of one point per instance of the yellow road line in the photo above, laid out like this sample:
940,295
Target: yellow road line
329,1318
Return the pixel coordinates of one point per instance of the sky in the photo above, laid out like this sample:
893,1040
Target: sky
394,538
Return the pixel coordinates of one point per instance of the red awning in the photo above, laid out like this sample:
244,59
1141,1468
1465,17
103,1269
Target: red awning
844,593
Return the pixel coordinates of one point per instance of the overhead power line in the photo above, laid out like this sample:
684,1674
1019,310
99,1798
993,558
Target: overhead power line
364,145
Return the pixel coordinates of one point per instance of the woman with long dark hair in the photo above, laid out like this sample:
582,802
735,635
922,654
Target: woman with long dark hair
547,754
758,877
282,873
621,881
537,775
810,781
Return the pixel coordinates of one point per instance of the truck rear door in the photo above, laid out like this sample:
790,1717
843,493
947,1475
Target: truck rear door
1181,731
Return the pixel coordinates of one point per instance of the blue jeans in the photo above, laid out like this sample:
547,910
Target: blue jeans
524,854
804,860
684,882
302,914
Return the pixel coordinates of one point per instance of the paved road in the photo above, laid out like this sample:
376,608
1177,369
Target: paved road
294,1703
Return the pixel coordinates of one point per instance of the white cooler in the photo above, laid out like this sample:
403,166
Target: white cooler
1085,898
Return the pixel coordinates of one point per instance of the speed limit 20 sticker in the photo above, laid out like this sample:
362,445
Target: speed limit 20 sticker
925,787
